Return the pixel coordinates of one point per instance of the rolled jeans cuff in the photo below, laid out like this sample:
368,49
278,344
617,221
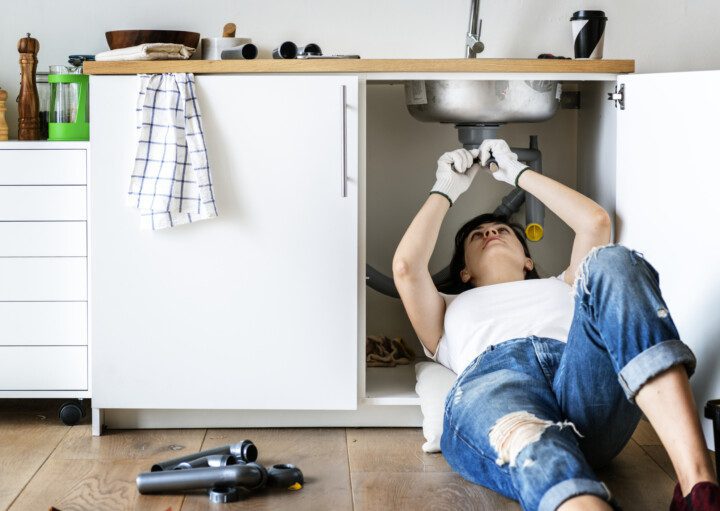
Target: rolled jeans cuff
653,361
569,488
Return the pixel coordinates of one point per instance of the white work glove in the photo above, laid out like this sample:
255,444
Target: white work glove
451,183
509,168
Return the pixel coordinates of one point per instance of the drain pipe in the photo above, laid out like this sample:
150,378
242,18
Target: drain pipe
472,136
534,209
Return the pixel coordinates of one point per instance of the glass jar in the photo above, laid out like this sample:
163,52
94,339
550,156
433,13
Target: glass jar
43,88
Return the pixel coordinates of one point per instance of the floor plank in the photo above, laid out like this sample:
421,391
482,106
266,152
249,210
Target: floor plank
660,457
390,471
648,439
90,485
382,491
321,454
29,431
636,481
93,473
150,444
391,450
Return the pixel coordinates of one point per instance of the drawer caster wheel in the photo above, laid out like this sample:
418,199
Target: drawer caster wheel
71,412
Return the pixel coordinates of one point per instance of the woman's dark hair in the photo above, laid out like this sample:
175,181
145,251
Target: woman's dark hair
457,263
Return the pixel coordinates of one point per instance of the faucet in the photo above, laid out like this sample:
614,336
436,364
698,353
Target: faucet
473,45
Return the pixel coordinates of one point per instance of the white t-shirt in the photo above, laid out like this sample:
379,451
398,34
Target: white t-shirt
488,315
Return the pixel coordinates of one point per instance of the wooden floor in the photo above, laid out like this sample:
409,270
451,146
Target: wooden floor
44,463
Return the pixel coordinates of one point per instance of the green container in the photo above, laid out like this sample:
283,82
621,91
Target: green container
68,113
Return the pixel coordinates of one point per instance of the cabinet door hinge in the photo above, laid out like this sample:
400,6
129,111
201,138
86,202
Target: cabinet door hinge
618,96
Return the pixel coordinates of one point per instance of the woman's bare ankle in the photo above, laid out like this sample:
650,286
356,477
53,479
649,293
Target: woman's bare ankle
585,503
687,483
697,471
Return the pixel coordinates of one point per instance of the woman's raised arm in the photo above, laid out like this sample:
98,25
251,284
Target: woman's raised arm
423,304
586,217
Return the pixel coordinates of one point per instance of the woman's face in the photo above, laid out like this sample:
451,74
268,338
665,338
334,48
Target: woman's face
492,246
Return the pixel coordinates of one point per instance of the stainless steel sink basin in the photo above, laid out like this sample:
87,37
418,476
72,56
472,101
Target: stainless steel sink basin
482,101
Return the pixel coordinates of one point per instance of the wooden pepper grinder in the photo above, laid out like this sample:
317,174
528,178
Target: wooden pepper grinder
28,103
3,109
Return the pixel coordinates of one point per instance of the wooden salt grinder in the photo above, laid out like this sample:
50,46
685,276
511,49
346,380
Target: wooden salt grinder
28,103
3,109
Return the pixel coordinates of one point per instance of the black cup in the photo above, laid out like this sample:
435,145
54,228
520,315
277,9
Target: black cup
588,33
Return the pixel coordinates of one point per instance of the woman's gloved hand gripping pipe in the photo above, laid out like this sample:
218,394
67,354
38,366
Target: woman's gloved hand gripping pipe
508,166
456,169
452,183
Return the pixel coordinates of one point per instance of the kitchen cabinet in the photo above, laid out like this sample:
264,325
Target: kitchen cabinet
169,308
255,309
43,270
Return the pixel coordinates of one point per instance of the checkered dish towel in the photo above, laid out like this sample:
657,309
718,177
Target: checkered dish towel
171,183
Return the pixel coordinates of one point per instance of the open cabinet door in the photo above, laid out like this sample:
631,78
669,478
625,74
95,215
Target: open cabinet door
668,181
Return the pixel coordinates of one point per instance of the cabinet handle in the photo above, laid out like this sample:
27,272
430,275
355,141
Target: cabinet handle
343,183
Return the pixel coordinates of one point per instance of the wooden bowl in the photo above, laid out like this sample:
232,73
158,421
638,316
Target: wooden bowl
125,38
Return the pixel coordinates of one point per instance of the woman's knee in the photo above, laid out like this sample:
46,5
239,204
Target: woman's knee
611,259
614,262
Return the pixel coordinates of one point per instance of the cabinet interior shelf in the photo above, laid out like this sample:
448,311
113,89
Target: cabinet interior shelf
391,385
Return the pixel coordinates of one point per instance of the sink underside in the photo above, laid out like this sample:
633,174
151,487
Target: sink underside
482,101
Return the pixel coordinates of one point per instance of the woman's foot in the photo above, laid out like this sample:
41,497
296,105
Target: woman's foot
704,496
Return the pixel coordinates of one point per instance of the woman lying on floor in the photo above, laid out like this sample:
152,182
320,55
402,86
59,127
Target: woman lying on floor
553,372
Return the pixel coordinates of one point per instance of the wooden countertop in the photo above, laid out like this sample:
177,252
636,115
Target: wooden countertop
362,66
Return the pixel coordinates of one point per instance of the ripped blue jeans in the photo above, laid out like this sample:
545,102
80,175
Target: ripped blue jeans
530,417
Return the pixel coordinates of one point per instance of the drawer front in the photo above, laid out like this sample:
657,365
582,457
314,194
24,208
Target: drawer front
43,323
43,368
42,203
42,167
43,239
43,279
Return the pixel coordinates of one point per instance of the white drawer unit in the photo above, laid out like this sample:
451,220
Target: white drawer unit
63,323
43,279
43,167
33,203
43,368
44,271
43,239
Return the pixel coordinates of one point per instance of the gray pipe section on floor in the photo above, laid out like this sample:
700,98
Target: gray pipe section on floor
248,475
242,451
214,460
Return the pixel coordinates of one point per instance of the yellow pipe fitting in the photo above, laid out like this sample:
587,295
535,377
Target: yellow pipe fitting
534,232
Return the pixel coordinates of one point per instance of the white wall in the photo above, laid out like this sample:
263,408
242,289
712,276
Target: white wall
662,35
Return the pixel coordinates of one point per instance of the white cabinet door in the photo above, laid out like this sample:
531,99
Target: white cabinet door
667,194
255,309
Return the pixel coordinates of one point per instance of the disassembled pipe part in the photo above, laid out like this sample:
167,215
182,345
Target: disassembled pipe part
224,495
287,50
250,476
229,473
214,460
242,451
309,49
246,51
